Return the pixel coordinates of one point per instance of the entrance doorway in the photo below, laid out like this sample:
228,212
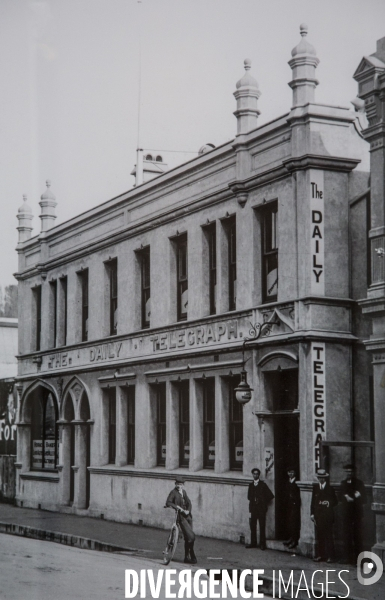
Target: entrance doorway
282,388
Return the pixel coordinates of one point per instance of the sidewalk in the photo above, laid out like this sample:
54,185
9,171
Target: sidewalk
110,536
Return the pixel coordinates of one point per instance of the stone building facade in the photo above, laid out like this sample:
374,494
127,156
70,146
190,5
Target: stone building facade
133,318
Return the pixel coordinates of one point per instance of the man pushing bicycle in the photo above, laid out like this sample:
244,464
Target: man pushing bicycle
179,500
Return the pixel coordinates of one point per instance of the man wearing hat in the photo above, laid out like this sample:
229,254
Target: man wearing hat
179,500
323,501
293,503
353,498
259,495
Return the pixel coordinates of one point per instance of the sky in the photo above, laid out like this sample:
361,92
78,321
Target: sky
71,70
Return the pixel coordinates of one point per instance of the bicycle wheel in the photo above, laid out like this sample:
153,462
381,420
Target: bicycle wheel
172,541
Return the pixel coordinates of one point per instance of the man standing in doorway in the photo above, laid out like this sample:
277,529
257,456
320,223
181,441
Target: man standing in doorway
179,500
353,498
259,495
293,499
323,501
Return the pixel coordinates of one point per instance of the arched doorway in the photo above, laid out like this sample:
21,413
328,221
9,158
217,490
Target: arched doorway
281,414
76,440
38,433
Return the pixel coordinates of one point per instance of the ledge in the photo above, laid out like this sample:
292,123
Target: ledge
203,476
40,476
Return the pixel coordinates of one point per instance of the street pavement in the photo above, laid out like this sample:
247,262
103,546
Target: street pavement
147,544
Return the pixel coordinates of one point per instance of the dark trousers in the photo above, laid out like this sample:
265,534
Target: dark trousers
185,524
294,523
256,516
324,530
352,534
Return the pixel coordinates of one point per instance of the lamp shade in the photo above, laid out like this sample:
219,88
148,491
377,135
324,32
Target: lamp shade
243,391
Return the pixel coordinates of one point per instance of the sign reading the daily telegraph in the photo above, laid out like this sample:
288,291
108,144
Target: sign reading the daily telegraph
213,334
318,400
317,237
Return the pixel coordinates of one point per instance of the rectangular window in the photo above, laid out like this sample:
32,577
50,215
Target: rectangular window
161,424
113,276
146,289
184,424
64,287
182,278
270,253
232,244
53,286
236,428
131,425
111,425
212,240
37,308
84,278
208,386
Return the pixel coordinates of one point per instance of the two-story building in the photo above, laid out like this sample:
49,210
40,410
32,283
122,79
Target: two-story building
134,317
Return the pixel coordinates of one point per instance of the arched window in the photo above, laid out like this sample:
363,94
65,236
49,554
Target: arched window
44,438
148,157
159,158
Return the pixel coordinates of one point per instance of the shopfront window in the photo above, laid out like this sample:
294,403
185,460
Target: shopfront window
184,424
111,425
236,428
44,439
208,388
131,425
161,424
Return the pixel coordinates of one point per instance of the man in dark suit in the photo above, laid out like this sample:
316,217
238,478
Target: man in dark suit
179,500
259,496
353,498
293,497
323,501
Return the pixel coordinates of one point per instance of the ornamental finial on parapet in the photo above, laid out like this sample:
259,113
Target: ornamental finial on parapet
246,95
303,64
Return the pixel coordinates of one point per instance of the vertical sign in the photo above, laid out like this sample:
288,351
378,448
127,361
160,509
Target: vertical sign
317,232
319,400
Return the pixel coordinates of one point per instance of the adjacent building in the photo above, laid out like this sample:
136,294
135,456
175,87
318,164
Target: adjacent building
137,317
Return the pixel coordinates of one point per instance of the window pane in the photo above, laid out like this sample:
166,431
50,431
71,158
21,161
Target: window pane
236,427
184,424
161,424
209,423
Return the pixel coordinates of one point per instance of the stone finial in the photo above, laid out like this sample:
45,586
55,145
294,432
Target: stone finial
246,95
24,216
303,65
48,204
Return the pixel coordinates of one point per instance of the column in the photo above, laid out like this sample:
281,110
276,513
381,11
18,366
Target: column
172,425
65,461
80,464
196,426
146,413
121,427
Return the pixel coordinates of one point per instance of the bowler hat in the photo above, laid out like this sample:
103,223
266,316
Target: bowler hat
255,469
322,473
180,480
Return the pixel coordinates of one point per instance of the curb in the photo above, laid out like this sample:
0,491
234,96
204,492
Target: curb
61,538
84,543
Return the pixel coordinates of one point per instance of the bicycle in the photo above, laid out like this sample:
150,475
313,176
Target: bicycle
172,541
